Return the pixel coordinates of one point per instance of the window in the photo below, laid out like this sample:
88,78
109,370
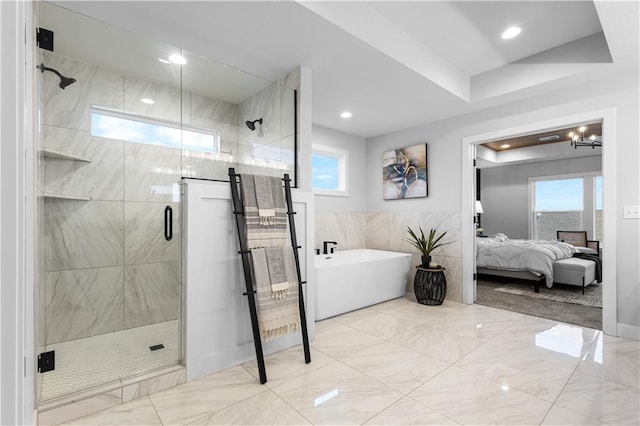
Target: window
150,131
566,203
329,170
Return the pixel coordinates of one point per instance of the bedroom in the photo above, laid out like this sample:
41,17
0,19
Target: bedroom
530,187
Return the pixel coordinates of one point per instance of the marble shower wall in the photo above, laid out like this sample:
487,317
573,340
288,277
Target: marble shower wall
386,231
275,149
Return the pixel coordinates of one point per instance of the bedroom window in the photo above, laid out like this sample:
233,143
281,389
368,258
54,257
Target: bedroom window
566,203
329,170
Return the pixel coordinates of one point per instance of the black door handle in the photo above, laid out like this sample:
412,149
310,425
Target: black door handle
168,223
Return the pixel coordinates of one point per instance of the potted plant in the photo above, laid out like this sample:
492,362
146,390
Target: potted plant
426,245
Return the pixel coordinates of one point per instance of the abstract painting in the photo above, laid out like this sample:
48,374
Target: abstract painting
404,172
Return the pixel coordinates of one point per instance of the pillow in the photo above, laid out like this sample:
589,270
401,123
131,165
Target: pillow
586,250
500,237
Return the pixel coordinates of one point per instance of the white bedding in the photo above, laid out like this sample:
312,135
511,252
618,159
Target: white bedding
500,252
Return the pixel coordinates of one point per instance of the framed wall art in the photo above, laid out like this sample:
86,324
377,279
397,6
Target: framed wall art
404,172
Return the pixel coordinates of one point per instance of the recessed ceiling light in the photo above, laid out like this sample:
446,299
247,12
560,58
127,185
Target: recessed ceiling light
177,59
345,114
511,32
164,61
147,101
505,146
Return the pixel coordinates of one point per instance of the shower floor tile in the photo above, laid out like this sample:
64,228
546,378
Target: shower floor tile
84,363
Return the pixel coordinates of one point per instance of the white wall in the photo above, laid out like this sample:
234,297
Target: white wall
16,214
505,192
357,147
445,137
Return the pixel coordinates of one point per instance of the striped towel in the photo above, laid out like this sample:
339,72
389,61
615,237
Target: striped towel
278,313
265,213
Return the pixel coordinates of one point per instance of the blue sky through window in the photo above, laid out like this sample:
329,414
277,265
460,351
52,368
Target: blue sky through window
559,195
324,172
150,133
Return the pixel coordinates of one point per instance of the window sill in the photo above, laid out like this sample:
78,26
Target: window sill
326,193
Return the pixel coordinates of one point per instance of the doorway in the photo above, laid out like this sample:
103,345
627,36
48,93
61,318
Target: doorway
607,116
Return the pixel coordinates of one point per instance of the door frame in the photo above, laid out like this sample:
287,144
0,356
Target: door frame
608,118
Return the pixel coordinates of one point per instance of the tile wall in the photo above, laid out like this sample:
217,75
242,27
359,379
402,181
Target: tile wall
105,264
386,231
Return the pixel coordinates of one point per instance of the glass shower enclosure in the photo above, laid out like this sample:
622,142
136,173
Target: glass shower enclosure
122,121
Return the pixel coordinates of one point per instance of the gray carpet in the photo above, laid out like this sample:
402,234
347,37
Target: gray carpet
527,303
560,293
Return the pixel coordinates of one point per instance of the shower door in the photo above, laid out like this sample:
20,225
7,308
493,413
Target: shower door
110,290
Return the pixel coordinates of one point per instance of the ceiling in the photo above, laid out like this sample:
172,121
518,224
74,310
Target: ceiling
544,138
395,64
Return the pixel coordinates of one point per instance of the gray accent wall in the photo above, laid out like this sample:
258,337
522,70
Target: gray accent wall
505,192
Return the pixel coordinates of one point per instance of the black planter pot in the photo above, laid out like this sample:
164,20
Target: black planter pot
426,260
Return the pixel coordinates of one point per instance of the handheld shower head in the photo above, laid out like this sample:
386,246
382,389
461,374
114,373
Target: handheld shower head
64,81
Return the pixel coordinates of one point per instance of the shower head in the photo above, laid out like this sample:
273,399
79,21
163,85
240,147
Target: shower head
64,81
252,124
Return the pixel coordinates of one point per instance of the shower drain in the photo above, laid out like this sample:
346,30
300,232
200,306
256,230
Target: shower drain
156,347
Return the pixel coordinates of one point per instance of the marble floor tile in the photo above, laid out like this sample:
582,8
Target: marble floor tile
469,326
193,400
339,341
619,346
287,365
396,366
419,314
382,325
391,304
138,412
542,335
601,399
350,317
540,375
616,368
266,408
408,411
337,394
437,344
470,399
562,416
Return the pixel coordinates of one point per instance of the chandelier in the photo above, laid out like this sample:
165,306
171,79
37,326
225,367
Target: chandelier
578,139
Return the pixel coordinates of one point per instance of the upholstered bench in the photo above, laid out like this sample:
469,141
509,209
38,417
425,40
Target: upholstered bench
574,271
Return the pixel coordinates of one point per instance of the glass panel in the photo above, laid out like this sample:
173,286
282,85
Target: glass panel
559,195
254,118
558,205
110,282
598,196
325,171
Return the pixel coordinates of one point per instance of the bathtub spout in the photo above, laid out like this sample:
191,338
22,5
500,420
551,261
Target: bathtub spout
325,244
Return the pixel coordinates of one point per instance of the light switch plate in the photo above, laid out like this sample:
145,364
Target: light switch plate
632,212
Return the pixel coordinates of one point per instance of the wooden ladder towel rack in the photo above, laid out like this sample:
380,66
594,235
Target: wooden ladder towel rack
238,211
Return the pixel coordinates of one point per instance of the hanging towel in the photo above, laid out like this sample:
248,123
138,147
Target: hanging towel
277,272
264,198
266,230
277,317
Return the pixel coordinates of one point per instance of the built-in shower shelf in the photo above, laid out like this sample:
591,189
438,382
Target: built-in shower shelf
65,197
59,155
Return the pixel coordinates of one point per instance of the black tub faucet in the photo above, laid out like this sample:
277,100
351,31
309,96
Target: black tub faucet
325,244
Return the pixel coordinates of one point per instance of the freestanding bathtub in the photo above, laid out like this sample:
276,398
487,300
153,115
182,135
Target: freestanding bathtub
352,279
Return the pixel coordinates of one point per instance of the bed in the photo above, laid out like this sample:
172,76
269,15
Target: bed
526,259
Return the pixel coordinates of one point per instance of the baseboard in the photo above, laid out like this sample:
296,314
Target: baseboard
629,331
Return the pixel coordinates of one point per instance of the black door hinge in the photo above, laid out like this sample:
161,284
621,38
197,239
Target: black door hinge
474,162
46,361
44,38
475,277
